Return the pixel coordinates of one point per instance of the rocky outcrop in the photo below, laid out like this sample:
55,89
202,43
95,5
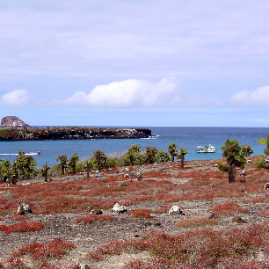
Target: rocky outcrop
54,133
13,121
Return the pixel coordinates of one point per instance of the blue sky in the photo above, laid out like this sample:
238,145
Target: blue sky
135,63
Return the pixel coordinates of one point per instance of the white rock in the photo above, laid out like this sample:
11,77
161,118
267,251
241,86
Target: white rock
26,208
119,208
175,210
84,266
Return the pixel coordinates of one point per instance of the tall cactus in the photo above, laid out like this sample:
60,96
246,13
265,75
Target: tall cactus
132,153
172,149
261,162
45,171
181,156
234,158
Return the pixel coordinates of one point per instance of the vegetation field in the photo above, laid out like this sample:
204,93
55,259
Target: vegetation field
71,222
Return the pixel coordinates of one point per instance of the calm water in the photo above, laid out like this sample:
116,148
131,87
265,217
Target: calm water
188,137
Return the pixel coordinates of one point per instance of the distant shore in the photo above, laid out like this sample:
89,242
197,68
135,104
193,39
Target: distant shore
71,133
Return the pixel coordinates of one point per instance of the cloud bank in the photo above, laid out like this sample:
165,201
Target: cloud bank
130,93
256,98
15,98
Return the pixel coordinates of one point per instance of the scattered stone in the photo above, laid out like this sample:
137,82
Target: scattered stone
97,211
156,223
27,208
23,209
139,177
238,220
123,184
84,266
213,216
119,208
175,210
20,210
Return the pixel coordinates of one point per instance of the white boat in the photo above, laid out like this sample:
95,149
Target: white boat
206,149
33,153
26,153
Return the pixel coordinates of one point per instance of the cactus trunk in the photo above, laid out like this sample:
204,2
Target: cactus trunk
231,172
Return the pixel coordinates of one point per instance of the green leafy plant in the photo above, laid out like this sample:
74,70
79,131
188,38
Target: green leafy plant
151,154
172,149
100,159
45,171
163,156
181,156
132,154
234,158
261,162
73,162
25,166
63,163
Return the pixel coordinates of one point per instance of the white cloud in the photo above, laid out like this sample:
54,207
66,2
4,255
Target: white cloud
126,94
258,97
15,98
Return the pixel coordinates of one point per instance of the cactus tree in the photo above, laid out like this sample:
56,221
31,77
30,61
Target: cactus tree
63,162
181,156
45,171
234,157
261,162
132,154
172,149
246,150
73,162
100,159
151,154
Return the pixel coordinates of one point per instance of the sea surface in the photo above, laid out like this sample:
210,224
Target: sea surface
188,137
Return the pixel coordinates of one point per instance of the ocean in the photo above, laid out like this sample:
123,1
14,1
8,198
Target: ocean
188,137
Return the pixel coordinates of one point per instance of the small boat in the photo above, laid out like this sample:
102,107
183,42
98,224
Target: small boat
33,153
26,153
206,149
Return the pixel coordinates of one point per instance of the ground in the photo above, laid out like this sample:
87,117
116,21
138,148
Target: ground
88,237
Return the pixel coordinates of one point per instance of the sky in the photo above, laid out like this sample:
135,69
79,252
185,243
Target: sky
135,63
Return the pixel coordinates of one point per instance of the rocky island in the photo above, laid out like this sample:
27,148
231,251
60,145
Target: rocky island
13,129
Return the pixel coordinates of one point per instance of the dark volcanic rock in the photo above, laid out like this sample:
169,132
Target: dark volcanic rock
13,121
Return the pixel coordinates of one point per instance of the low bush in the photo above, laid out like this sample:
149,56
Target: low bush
228,208
22,227
20,218
55,248
142,214
202,247
90,218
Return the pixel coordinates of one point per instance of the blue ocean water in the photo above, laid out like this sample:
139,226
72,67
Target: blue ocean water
188,137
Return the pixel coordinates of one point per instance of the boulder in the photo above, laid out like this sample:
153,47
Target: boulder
27,208
97,211
175,210
119,208
139,177
84,266
13,121
266,186
20,210
238,220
